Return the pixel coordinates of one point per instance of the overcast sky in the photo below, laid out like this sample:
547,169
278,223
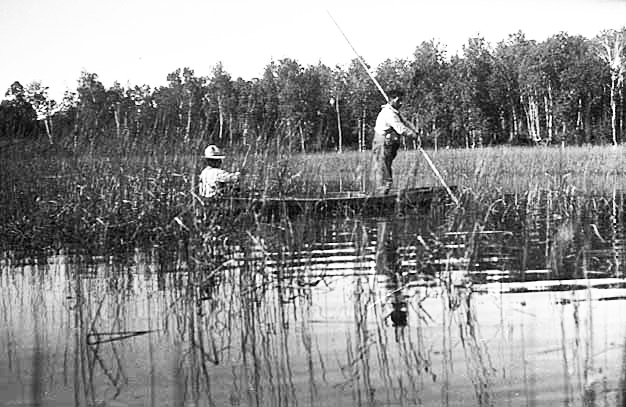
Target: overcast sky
139,42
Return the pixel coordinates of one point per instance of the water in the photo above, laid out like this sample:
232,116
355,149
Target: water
366,312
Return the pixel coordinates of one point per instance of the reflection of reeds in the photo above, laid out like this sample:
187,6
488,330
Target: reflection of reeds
241,344
38,384
621,396
480,368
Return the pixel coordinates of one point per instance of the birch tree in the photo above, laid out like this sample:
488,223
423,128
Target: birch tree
532,83
339,90
612,49
221,88
37,96
193,88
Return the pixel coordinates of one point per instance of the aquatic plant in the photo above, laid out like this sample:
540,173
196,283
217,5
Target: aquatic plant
112,196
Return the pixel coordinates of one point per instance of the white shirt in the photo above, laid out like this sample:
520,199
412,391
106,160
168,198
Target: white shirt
389,118
212,180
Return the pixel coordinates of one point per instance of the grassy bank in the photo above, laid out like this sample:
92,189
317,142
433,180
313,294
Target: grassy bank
108,198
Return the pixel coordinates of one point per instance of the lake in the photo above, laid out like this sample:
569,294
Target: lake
522,308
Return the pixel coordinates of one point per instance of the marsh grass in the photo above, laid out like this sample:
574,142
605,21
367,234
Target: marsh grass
114,197
92,201
490,171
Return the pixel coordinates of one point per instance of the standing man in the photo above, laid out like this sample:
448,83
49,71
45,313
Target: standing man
387,132
213,179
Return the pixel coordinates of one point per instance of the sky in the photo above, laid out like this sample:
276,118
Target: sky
138,42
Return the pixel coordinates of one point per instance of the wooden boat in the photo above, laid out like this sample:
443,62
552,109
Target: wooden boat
351,203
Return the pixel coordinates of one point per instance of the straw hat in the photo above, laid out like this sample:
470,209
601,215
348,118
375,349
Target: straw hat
213,152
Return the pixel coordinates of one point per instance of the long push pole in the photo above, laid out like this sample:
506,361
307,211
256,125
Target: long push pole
382,91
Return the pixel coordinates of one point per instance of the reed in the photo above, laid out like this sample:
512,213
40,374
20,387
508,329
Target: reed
112,197
91,201
490,171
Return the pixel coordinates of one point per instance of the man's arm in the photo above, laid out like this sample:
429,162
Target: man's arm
398,124
225,176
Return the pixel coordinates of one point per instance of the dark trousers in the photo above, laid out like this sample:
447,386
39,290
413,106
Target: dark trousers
383,154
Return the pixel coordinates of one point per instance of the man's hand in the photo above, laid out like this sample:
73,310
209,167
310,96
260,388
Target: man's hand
412,134
416,137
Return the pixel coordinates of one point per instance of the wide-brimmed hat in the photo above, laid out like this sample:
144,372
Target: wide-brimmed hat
213,152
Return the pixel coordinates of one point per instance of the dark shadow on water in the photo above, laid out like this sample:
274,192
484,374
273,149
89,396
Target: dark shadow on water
387,264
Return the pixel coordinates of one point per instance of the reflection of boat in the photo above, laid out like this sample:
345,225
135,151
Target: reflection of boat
342,203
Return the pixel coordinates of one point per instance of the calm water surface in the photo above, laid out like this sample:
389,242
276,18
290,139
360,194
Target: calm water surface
373,312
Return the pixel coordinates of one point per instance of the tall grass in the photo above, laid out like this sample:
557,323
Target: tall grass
115,196
90,200
488,171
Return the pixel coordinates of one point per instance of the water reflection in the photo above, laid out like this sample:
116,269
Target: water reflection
136,335
396,311
387,264
543,236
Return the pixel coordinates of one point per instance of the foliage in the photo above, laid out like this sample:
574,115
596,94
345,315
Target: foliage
566,89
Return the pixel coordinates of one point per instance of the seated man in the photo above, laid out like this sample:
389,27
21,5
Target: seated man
213,179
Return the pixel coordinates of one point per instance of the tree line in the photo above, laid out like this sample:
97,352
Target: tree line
566,89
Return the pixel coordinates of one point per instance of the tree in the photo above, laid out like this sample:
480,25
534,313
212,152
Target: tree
289,76
17,116
533,82
612,49
459,102
117,103
475,93
94,117
37,96
339,90
429,72
193,92
247,109
179,107
505,84
221,90
142,110
268,95
581,78
318,113
365,101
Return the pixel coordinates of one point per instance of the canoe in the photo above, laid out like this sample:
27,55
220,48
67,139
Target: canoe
350,203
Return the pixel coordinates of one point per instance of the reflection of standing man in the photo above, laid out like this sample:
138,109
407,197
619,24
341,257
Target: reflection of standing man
388,264
386,249
387,132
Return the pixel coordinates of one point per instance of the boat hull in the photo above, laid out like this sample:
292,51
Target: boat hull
414,200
